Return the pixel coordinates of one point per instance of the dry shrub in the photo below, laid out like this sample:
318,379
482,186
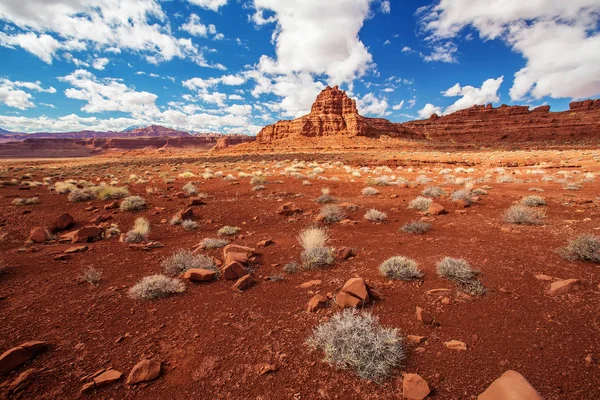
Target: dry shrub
369,191
416,227
523,215
399,267
420,203
460,272
112,192
375,215
533,201
155,287
584,248
213,243
228,230
183,259
332,213
353,340
79,195
140,231
91,275
132,203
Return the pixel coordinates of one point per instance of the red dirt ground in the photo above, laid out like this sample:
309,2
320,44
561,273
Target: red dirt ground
211,339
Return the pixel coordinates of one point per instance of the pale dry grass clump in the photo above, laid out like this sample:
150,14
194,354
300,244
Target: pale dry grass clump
140,231
332,213
213,243
460,272
64,187
533,201
416,227
91,275
420,203
228,230
111,192
374,215
353,340
325,196
291,267
26,202
315,254
189,189
463,195
79,195
399,267
155,287
183,259
189,225
585,248
433,191
369,191
132,203
258,180
522,215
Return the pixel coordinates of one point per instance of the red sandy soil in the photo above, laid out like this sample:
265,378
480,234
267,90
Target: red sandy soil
210,339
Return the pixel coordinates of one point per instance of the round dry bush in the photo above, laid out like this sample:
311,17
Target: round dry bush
317,257
79,195
189,225
420,203
399,267
228,230
353,340
462,195
332,213
370,191
460,272
190,189
523,215
155,287
416,227
132,203
213,243
182,260
291,267
433,191
375,215
533,201
584,248
112,193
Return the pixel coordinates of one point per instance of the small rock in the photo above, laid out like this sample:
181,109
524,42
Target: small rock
23,380
357,288
511,385
344,300
76,249
289,209
589,360
196,201
199,275
233,270
65,221
38,235
344,253
62,257
316,302
188,213
112,205
87,234
456,345
542,277
19,355
264,368
414,387
564,286
423,316
145,370
265,243
436,209
310,284
439,292
244,282
107,377
416,339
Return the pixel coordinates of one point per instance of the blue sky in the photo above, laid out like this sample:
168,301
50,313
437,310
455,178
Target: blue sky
233,66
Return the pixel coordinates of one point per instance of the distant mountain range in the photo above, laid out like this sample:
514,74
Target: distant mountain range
131,132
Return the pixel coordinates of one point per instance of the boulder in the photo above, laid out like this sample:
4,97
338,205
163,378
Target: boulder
199,275
145,370
233,270
510,386
38,235
357,288
65,221
87,234
19,355
414,387
436,209
344,300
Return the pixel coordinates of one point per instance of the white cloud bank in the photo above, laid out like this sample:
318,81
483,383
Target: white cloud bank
557,38
13,95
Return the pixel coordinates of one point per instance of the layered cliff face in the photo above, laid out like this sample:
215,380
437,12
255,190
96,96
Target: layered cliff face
333,113
482,124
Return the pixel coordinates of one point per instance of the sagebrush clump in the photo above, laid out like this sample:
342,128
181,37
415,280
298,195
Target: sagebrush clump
460,272
332,213
416,227
399,267
91,275
155,287
533,201
369,191
522,215
375,215
228,230
213,243
433,191
420,203
140,231
353,340
132,203
315,253
182,260
584,248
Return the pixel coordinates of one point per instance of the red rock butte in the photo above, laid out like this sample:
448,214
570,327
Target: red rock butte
334,114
